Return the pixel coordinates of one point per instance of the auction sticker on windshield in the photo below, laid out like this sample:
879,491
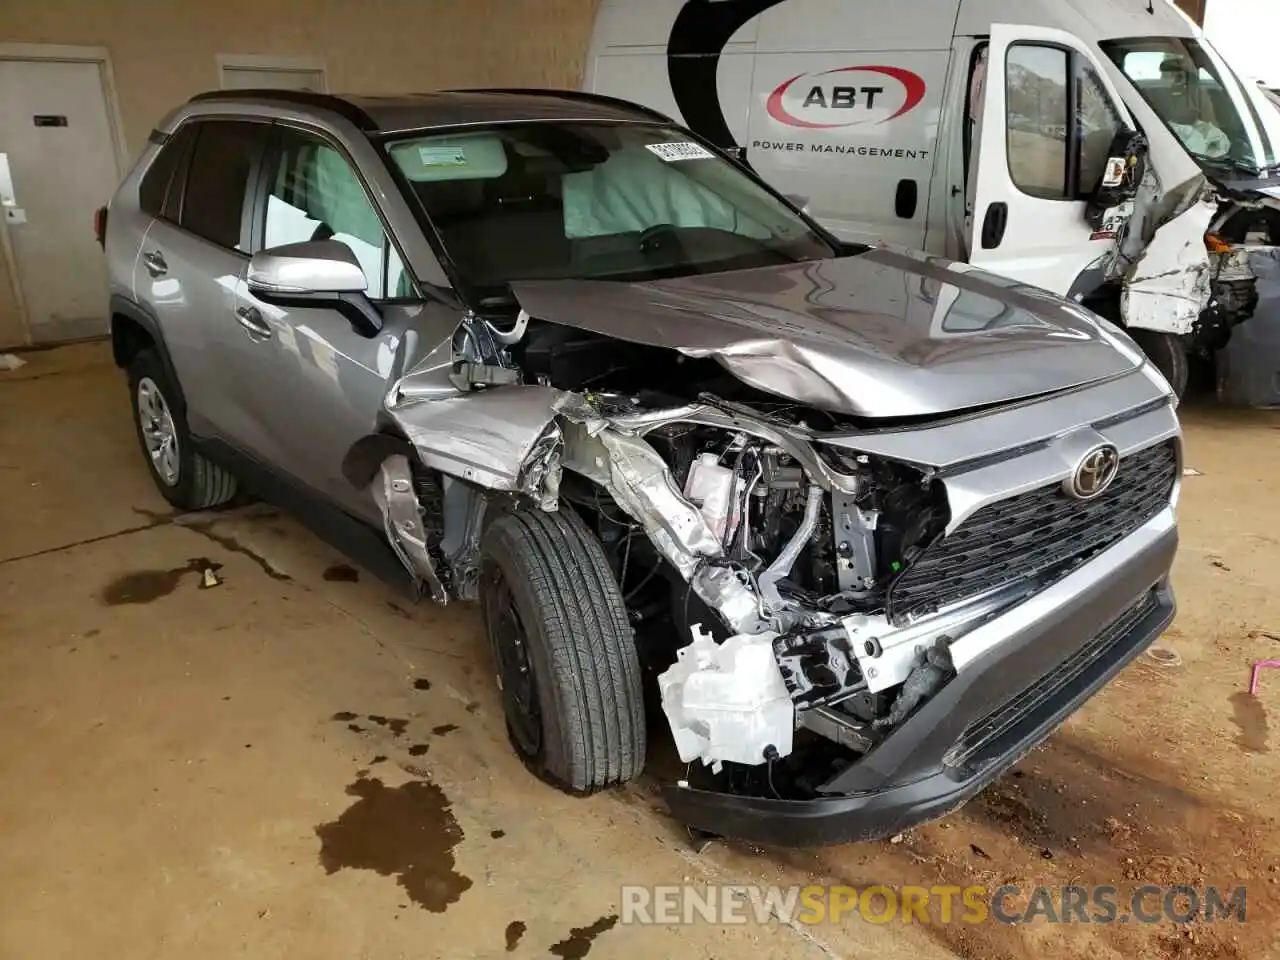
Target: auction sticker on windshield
442,156
672,152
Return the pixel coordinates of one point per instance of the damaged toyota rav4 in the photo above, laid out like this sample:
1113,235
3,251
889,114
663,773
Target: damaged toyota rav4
863,526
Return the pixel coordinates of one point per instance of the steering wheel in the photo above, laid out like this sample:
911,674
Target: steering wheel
655,237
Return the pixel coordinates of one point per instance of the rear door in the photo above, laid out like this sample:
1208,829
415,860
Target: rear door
191,258
1045,115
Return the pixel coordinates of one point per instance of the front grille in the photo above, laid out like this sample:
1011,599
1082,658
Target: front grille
998,730
1040,535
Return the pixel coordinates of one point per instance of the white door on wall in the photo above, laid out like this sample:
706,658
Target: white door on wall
269,78
57,136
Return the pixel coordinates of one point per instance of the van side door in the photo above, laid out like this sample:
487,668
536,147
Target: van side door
1046,115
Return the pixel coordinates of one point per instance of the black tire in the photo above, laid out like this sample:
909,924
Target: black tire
199,484
1169,355
575,713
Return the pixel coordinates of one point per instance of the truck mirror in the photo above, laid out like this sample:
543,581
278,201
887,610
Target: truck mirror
1126,166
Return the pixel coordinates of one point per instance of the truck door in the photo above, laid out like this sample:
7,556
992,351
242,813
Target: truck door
1045,115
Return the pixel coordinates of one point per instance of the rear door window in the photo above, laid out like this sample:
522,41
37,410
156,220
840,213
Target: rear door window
223,157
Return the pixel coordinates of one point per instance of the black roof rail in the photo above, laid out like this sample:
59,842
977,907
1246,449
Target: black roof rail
301,98
581,96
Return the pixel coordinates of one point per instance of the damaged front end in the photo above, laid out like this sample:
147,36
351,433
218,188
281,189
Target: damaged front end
852,614
1184,262
848,602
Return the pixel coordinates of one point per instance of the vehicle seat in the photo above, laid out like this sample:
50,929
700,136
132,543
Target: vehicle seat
509,226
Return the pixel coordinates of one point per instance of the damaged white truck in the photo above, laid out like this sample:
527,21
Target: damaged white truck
869,524
1100,149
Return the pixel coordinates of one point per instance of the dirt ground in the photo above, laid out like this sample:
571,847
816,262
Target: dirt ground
296,762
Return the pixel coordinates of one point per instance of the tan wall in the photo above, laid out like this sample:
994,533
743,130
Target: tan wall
163,51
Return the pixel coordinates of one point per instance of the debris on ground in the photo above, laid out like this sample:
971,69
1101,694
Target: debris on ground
11,361
209,579
1164,657
1255,677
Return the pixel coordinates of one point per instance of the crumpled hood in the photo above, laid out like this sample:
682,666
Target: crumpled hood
887,333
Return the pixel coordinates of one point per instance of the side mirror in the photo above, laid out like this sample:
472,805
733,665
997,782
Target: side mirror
1121,177
315,267
317,273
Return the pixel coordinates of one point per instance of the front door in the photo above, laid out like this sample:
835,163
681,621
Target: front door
1046,117
314,383
59,149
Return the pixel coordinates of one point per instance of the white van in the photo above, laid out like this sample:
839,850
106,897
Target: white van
1100,149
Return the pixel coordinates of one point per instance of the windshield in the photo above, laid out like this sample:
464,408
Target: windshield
1206,108
604,201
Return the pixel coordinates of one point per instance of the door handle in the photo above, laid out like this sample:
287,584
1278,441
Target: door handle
251,319
994,224
906,199
155,263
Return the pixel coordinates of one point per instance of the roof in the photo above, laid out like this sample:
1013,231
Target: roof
444,108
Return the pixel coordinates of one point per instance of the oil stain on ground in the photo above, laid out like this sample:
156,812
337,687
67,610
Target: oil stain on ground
1250,716
515,930
144,586
342,573
578,944
397,725
407,832
235,546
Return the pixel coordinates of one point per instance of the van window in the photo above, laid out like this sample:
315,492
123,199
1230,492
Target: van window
1099,125
316,195
1061,122
224,154
1181,83
1037,106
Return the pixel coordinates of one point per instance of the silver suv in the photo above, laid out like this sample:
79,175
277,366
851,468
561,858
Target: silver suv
872,523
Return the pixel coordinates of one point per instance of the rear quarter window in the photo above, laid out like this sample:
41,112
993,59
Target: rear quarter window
157,181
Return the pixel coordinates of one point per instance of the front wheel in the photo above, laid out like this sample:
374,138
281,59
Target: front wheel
564,651
1167,352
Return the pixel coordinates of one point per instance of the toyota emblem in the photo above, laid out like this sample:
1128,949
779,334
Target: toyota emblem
1094,473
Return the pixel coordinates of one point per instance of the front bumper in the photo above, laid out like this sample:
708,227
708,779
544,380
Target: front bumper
1007,698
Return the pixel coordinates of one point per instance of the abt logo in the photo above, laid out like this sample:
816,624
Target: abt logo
846,96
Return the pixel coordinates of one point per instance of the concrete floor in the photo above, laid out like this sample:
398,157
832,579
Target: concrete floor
298,763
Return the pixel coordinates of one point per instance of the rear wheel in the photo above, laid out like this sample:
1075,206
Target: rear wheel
1167,352
183,476
564,651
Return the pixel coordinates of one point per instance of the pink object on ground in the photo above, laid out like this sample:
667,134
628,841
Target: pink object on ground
1257,669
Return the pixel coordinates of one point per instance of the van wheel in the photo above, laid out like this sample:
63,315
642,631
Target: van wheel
564,651
1168,353
183,477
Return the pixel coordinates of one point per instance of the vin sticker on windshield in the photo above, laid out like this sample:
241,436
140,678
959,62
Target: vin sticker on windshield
671,152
